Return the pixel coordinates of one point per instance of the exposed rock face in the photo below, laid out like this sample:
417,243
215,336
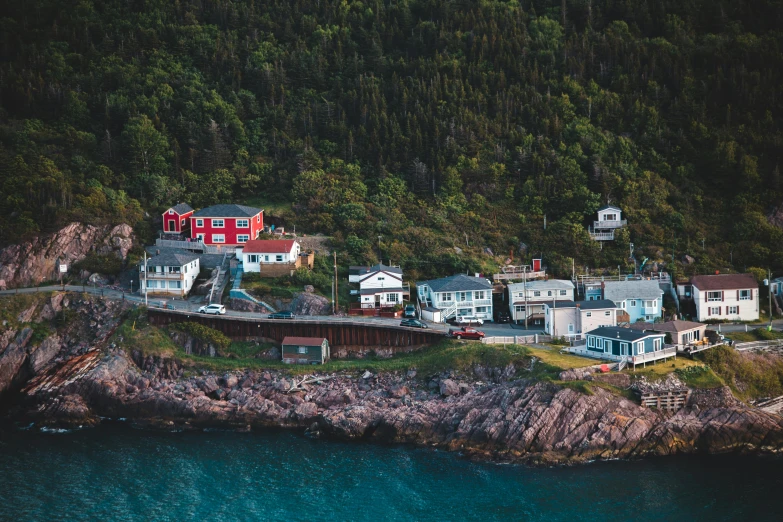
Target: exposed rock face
244,305
30,263
308,303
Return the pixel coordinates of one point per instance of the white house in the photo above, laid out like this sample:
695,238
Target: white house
257,253
726,296
171,274
382,286
530,297
573,319
640,299
609,220
458,295
597,313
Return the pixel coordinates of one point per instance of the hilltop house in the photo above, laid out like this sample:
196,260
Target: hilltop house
626,345
609,220
228,225
305,350
529,298
725,296
171,274
381,286
571,319
176,219
642,300
458,295
273,258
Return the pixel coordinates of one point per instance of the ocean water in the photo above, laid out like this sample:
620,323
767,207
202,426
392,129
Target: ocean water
116,472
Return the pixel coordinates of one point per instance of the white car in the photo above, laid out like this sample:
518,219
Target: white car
217,309
468,320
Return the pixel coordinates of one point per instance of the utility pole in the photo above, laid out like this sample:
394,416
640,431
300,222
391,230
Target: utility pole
524,291
336,297
332,295
769,291
145,278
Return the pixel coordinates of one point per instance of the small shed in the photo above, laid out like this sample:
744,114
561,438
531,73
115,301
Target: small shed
305,350
432,314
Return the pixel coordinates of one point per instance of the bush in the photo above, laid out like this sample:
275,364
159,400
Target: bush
282,292
108,264
204,333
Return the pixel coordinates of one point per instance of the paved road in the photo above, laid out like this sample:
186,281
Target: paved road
490,329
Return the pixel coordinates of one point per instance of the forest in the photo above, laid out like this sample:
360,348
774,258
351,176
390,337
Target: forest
442,135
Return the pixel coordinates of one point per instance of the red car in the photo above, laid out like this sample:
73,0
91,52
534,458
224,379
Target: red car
466,332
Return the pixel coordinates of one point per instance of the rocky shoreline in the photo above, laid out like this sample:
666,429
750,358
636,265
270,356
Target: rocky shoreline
76,377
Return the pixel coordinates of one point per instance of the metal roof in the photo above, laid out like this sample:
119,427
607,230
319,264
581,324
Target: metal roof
271,246
560,304
456,283
668,326
170,259
621,290
610,207
232,210
549,284
598,304
181,208
373,291
624,334
724,282
303,341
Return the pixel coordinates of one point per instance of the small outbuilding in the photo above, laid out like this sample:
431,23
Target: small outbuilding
432,314
305,350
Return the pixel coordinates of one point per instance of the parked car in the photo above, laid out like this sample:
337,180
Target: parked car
217,309
282,315
466,332
468,320
413,323
503,317
410,311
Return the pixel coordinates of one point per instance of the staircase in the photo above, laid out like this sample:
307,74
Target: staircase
622,364
450,312
238,293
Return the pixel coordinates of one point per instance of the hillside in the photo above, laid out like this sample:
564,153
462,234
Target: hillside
431,123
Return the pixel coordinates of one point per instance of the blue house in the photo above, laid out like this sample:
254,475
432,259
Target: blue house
640,299
625,345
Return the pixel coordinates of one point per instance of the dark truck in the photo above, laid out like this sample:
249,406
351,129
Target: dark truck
466,332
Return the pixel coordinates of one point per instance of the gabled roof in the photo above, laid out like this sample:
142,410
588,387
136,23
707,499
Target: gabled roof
598,304
668,326
549,284
373,291
377,269
170,260
724,282
624,334
303,341
272,246
457,283
610,207
181,208
560,304
621,290
227,211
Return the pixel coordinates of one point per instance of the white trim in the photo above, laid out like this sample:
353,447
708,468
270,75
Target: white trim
221,236
247,221
221,225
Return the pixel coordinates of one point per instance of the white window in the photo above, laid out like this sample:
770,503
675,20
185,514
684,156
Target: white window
252,258
381,278
182,223
536,293
549,293
152,284
607,313
462,296
302,349
175,284
391,298
171,211
624,348
610,217
520,294
562,292
590,341
481,309
218,238
570,328
200,237
649,304
279,257
639,348
589,314
519,308
714,296
218,223
243,238
445,296
744,295
623,305
199,222
657,344
479,294
258,218
633,302
243,223
734,310
714,310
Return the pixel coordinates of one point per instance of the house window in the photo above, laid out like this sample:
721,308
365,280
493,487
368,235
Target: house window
519,308
182,223
744,295
714,296
479,294
591,342
589,314
279,258
624,348
562,292
200,237
445,296
623,305
258,218
462,296
243,223
242,238
610,217
218,223
549,293
175,284
199,222
218,238
391,298
171,211
381,278
657,344
520,294
302,349
481,309
633,303
253,258
152,284
649,304
734,310
607,313
266,259
714,310
537,293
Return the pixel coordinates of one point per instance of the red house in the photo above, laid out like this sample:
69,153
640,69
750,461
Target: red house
177,218
230,225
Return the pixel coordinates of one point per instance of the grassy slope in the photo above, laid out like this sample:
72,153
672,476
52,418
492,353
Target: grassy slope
749,375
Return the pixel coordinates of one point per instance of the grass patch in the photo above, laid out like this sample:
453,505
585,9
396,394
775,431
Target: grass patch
137,334
271,208
564,361
699,376
247,349
759,334
750,375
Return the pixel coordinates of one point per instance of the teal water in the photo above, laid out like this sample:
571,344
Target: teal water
119,473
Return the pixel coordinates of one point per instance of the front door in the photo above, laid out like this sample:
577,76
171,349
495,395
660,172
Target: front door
615,348
172,225
377,300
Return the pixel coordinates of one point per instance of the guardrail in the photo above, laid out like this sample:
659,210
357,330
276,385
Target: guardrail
518,339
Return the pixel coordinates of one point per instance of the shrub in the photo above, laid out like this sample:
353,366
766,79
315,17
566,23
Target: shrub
101,263
282,292
204,333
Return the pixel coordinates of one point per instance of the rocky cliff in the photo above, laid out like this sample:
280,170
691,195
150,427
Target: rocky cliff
485,413
30,263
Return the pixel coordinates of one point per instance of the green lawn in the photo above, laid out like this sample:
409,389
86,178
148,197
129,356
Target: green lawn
564,361
758,334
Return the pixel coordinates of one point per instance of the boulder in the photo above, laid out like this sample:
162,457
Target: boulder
44,353
309,289
308,303
230,380
449,387
688,260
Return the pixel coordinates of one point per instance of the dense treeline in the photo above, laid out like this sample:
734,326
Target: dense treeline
431,123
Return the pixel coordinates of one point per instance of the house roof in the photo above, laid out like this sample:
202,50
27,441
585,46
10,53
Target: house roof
724,282
181,208
170,259
227,211
598,304
456,283
373,291
621,290
550,284
668,326
380,267
624,334
303,341
271,246
560,304
610,207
